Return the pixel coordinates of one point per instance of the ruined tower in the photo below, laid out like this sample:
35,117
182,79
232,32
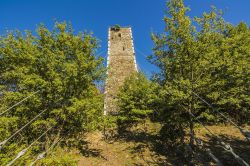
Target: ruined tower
121,63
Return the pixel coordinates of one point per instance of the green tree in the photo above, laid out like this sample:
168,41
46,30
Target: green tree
63,67
135,99
230,93
209,59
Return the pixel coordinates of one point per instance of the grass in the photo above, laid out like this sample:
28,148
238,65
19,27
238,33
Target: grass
142,147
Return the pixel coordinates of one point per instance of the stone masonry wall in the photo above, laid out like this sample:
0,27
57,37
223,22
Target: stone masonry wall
121,63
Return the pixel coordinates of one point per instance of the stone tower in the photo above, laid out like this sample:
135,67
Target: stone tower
121,63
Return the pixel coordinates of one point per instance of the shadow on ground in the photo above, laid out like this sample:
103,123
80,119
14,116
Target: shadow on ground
141,147
239,146
153,146
83,147
164,155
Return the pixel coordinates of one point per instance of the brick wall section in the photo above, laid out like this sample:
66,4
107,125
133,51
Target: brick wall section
121,63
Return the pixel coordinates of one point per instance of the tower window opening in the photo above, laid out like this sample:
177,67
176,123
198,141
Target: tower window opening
120,35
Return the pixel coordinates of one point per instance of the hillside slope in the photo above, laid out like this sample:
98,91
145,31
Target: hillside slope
145,149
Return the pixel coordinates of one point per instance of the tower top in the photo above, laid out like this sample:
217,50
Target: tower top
118,27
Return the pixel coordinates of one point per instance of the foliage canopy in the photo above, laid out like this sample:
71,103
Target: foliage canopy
63,67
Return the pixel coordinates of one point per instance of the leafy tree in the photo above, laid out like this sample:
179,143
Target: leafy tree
135,100
206,59
230,93
176,54
63,67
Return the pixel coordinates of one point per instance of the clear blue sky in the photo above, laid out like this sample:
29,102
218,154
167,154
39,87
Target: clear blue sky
97,15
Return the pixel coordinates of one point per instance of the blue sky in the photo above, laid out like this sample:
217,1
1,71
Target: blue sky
144,16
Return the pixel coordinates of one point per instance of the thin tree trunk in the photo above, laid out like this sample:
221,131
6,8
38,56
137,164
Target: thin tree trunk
191,124
191,128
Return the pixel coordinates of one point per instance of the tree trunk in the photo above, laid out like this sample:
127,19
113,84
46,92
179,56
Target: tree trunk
191,124
191,128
